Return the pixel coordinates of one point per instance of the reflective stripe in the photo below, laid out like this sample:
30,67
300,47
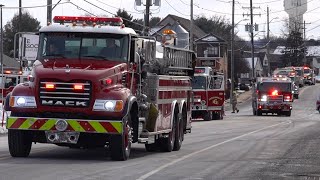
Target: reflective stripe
10,121
76,126
117,126
48,125
27,123
97,126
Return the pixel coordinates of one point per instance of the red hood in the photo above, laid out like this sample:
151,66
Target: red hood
77,68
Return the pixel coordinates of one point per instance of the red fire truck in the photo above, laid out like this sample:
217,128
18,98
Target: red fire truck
102,86
272,95
208,94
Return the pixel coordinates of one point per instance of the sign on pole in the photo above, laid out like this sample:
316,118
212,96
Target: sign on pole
28,47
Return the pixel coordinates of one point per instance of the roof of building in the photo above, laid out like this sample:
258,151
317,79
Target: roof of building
185,23
211,38
311,50
10,62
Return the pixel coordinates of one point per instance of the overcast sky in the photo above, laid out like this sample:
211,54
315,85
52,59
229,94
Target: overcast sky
181,8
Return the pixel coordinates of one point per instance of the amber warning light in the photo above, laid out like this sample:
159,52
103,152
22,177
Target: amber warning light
78,87
50,86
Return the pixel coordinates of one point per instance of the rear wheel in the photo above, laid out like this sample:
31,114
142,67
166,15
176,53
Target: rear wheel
254,112
120,145
179,133
167,144
20,143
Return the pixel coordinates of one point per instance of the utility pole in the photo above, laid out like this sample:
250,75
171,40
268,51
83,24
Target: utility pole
49,11
252,44
304,42
191,26
20,12
146,18
268,41
232,54
251,29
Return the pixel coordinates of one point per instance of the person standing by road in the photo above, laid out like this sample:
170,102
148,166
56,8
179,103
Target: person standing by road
234,103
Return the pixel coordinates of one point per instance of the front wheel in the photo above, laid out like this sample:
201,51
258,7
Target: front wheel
20,143
288,113
179,133
120,145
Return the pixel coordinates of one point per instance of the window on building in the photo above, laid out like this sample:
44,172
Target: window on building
213,51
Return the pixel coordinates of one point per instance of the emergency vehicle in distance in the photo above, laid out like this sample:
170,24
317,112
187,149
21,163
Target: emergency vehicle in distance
10,78
89,94
208,94
272,95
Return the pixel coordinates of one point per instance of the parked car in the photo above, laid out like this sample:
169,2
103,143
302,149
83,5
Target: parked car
317,79
244,87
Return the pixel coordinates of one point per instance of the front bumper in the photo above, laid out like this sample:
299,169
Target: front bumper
70,125
274,107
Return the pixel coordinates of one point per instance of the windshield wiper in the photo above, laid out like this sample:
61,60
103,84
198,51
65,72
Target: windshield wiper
55,55
96,56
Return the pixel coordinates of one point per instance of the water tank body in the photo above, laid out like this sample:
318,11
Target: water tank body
295,10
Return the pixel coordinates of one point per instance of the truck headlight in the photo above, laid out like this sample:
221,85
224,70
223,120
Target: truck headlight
108,105
264,98
23,101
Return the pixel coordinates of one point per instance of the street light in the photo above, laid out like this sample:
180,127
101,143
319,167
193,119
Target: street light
232,56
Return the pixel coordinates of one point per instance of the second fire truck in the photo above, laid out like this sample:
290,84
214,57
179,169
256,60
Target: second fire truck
89,94
272,95
208,94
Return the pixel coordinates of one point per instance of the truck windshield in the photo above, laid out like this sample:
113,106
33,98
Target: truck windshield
83,45
299,72
199,82
306,71
270,86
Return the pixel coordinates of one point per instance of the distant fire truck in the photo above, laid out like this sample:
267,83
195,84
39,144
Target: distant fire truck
208,94
11,77
96,84
272,95
309,77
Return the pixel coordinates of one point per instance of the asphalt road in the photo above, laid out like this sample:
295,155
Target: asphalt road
241,146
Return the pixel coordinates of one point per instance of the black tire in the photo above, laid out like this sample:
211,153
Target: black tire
209,116
296,96
120,145
288,113
167,144
221,115
19,142
179,133
259,113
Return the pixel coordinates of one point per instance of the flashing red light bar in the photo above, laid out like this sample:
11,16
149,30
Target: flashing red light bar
201,70
69,19
275,93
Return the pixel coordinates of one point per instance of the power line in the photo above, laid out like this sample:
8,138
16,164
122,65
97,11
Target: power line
82,9
175,9
117,7
114,14
30,7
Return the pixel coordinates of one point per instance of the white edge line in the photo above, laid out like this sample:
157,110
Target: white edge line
205,149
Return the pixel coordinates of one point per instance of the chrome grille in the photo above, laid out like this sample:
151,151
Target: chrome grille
63,94
275,99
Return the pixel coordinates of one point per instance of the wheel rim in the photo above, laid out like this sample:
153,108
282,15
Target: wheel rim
127,136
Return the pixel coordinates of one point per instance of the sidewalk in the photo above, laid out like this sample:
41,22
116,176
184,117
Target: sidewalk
242,96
